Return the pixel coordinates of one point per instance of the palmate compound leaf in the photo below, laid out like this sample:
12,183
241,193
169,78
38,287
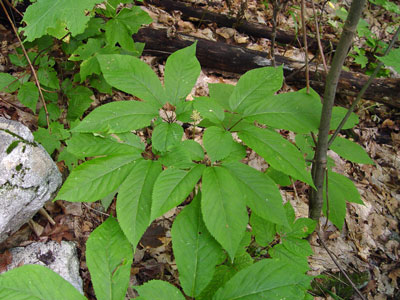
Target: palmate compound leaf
109,257
131,75
117,117
189,235
158,290
134,199
172,187
261,193
297,111
340,190
278,152
56,18
35,282
97,178
266,279
350,150
224,209
255,85
181,71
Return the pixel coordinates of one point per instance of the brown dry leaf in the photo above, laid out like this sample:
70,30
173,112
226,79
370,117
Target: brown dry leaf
151,238
388,123
5,260
394,274
225,32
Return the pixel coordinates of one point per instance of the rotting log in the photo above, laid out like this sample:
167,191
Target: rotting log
258,30
236,59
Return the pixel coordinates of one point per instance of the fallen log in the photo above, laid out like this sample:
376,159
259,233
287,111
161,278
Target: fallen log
203,16
236,59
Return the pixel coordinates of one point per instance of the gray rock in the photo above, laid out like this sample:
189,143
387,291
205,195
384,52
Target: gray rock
28,177
61,258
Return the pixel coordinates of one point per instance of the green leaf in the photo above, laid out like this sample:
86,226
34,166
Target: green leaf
194,149
392,59
79,100
278,152
96,178
223,207
181,71
238,152
48,77
28,95
116,117
158,290
266,279
99,83
54,114
131,75
340,190
255,85
134,199
296,251
189,235
209,109
109,256
8,83
338,114
56,17
86,145
350,150
296,111
261,193
35,282
172,187
69,159
183,154
221,92
218,143
85,51
49,141
306,145
278,177
263,230
166,135
120,28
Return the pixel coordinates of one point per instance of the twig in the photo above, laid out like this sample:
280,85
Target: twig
45,214
364,88
303,25
276,9
30,64
13,8
321,49
340,267
327,198
98,211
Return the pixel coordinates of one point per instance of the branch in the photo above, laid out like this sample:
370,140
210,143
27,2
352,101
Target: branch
319,165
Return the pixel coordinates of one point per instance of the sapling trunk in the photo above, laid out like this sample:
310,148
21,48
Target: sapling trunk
320,158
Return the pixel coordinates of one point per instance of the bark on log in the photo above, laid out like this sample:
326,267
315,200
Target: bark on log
203,16
236,59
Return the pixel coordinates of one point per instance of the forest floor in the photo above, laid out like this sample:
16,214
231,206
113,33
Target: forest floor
368,244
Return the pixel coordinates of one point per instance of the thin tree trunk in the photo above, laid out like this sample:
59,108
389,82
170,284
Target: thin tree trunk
320,159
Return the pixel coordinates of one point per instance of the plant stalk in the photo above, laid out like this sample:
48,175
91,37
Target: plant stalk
320,158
